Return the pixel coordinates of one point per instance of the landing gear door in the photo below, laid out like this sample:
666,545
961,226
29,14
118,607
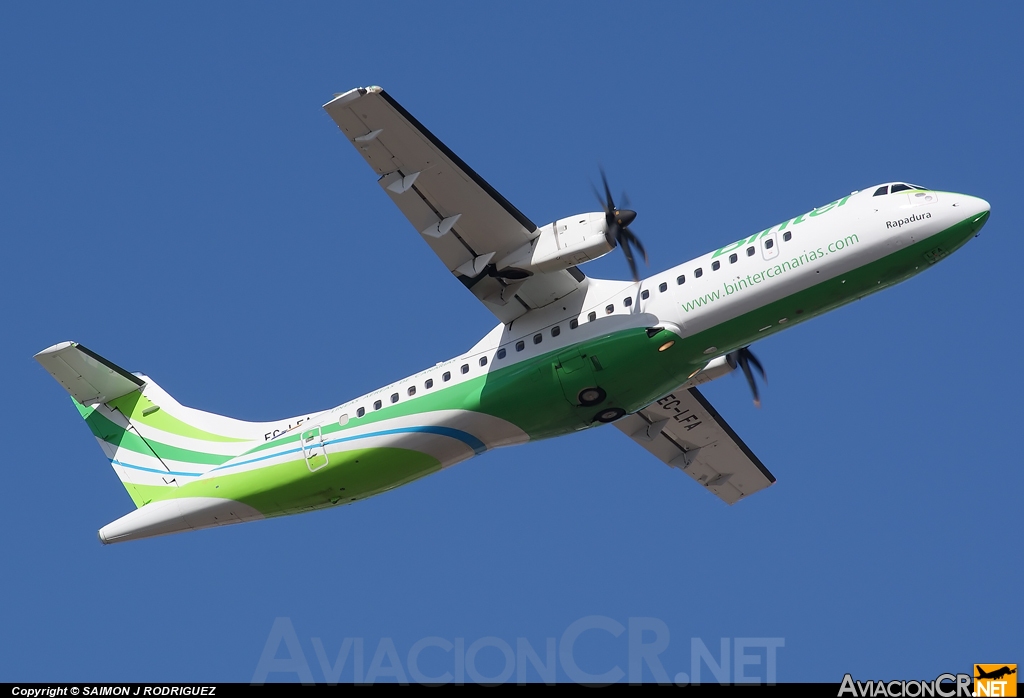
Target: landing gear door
313,449
574,374
769,246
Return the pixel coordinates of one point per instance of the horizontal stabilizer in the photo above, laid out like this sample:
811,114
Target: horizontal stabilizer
89,377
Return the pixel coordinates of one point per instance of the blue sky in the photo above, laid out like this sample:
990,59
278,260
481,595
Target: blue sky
174,197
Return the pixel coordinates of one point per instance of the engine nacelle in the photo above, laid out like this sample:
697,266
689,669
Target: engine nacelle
560,245
716,368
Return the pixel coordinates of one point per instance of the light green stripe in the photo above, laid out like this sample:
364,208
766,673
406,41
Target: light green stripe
104,429
134,405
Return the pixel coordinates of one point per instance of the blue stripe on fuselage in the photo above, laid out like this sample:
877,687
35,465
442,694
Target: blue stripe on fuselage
474,443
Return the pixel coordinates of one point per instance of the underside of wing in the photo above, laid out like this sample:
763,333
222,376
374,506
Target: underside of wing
684,431
464,220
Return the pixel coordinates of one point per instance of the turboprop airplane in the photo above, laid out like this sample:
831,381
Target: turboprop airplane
568,353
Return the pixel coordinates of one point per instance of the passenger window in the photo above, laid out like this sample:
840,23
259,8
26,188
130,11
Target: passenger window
750,251
733,257
899,187
538,338
591,316
520,345
573,324
627,301
376,404
609,309
361,411
501,353
483,360
787,236
881,191
394,398
698,272
556,330
681,279
465,368
715,266
447,376
662,287
645,294
412,390
429,383
769,243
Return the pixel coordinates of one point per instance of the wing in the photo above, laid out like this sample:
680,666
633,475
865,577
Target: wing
465,221
683,430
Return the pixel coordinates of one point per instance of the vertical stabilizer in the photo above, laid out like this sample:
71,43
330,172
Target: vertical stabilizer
154,443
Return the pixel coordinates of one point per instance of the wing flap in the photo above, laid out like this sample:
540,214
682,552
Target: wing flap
684,431
423,216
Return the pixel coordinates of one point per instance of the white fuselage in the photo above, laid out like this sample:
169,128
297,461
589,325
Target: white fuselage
844,236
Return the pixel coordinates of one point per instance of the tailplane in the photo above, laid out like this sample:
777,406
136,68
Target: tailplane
154,443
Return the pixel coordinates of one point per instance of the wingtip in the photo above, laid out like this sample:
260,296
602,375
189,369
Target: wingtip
342,98
59,346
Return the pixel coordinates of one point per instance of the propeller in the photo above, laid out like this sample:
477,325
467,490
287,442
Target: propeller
744,358
617,230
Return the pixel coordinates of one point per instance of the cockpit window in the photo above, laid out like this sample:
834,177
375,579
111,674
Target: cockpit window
881,191
900,187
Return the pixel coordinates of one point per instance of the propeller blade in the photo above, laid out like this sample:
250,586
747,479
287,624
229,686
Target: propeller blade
757,364
607,192
744,358
634,240
629,257
745,365
617,223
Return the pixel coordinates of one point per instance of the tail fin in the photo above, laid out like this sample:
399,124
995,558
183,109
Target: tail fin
154,443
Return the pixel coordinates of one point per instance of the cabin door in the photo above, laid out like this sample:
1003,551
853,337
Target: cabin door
313,449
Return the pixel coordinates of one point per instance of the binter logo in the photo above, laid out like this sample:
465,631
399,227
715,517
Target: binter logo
782,226
995,679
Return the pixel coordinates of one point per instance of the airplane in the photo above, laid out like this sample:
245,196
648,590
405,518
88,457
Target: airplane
995,673
569,352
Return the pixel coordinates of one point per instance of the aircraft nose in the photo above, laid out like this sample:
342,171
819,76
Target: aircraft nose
979,209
